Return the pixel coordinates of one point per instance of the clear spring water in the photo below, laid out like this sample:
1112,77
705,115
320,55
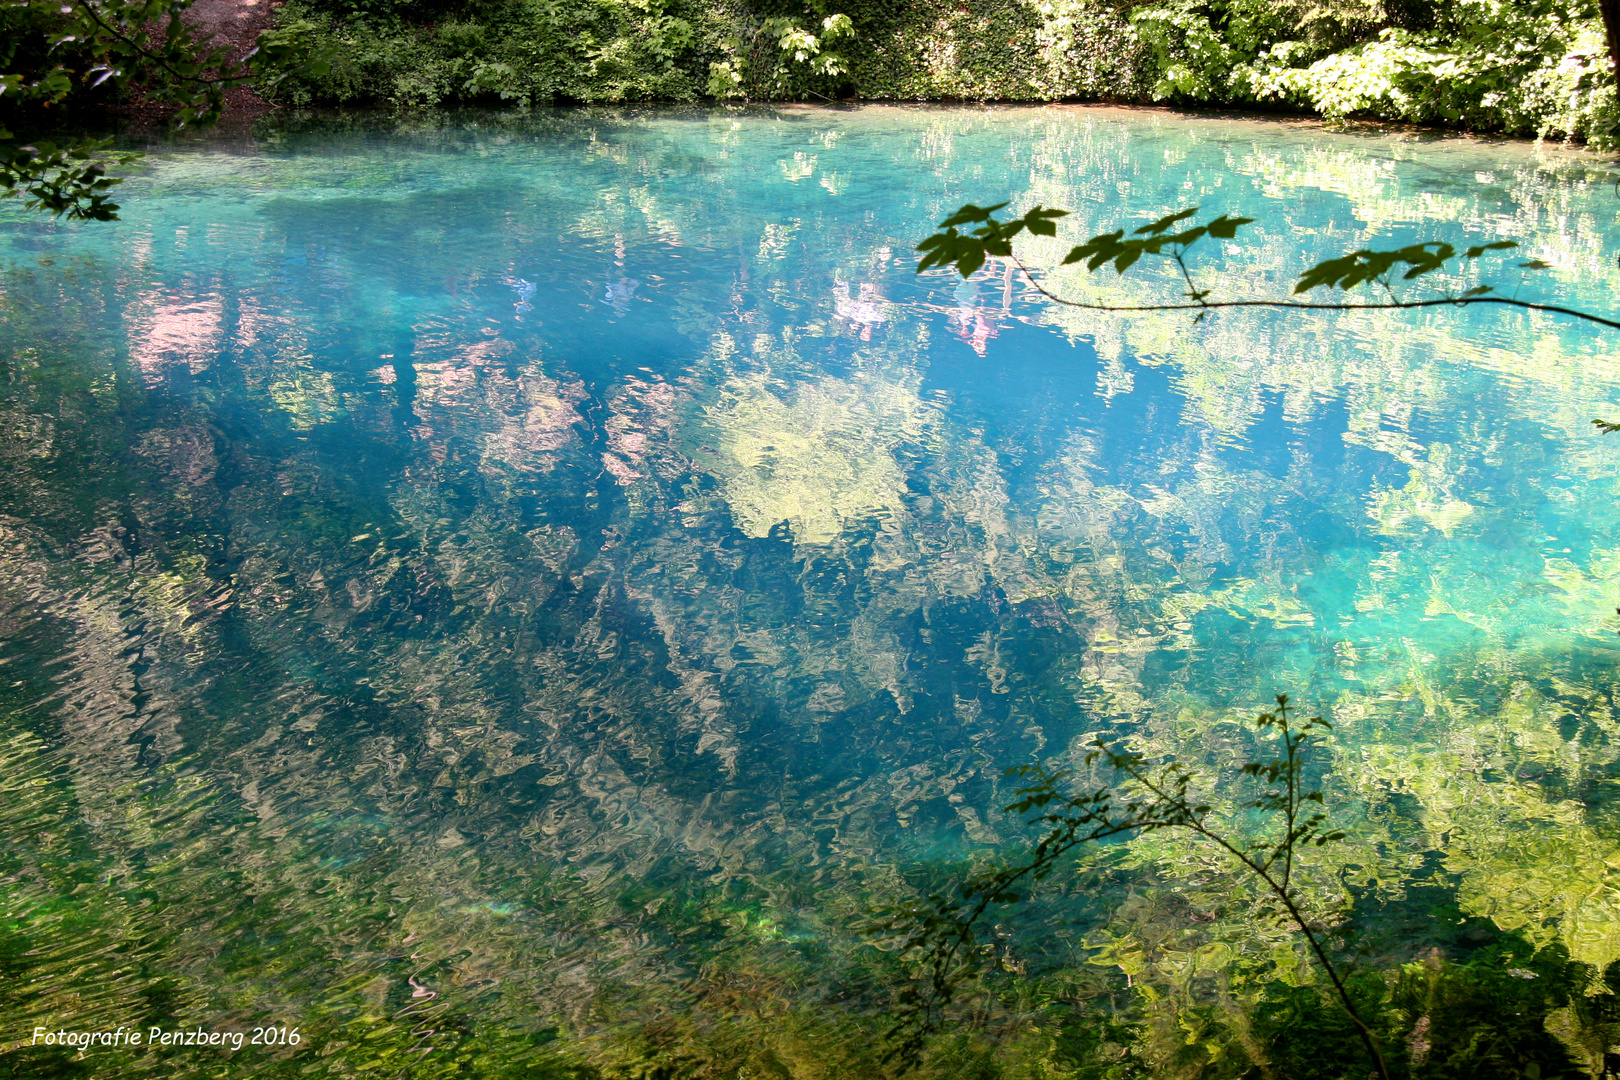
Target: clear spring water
518,591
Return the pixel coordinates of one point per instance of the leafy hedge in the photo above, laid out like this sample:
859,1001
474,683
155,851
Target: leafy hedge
686,50
1516,67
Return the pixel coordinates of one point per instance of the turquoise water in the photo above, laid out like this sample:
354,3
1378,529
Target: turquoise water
508,593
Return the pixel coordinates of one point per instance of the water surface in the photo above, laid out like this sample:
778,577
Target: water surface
494,593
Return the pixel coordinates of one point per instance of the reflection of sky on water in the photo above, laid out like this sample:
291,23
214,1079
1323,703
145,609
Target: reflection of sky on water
583,551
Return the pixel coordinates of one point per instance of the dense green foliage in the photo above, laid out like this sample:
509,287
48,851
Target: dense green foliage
1520,67
686,50
61,56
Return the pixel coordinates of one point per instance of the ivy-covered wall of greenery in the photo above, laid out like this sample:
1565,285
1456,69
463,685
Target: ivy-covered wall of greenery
688,50
1514,67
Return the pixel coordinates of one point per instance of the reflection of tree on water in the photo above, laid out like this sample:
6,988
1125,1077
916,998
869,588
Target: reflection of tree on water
513,682
639,429
863,311
525,294
969,319
620,293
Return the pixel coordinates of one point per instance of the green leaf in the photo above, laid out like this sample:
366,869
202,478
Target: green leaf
1099,249
1225,228
1348,271
1422,260
1165,222
969,214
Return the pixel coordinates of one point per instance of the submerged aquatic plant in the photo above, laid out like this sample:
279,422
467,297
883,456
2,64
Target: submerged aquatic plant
939,930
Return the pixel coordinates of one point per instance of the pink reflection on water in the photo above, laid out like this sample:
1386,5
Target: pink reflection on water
970,320
537,415
642,416
866,309
172,330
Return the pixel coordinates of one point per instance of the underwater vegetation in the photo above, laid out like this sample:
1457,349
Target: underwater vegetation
516,596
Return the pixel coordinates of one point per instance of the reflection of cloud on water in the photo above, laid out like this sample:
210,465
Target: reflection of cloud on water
620,293
181,330
864,310
818,456
456,380
525,294
642,412
970,320
484,392
536,422
974,329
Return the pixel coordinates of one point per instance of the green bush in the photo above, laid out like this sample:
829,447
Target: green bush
1515,67
528,51
1518,69
537,51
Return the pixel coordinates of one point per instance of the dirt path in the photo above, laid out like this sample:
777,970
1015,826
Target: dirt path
234,24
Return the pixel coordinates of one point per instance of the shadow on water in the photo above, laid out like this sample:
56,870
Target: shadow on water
512,598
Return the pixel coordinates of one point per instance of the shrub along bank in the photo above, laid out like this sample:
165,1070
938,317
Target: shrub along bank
688,50
1514,67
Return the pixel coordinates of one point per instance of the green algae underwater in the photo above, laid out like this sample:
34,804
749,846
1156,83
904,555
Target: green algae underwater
510,596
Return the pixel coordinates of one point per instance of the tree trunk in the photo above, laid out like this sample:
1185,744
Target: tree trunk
1610,9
